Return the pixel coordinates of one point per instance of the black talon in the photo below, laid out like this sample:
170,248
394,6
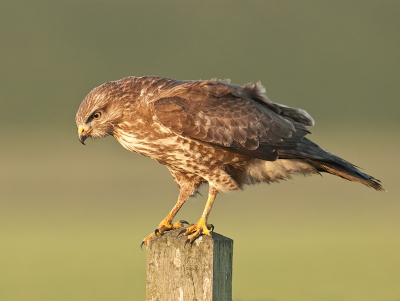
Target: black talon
212,227
181,232
186,242
184,222
156,231
141,245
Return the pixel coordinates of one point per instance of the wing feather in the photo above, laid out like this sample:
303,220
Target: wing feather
232,117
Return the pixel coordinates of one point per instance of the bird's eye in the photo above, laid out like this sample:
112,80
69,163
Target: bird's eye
96,115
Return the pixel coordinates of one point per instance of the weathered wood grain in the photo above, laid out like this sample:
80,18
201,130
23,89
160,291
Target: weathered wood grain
202,271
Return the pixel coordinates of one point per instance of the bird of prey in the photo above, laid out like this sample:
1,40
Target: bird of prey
210,132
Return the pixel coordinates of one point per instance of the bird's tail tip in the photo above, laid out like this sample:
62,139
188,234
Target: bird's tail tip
351,173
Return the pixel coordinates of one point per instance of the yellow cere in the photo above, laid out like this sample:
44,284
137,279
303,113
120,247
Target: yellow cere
80,129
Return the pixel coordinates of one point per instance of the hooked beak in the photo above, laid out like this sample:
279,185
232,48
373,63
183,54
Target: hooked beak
82,134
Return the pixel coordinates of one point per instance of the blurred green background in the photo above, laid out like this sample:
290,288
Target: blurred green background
72,217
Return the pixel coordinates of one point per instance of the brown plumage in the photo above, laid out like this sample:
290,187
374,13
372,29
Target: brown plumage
208,132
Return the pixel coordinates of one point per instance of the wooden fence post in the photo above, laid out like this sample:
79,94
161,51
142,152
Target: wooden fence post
176,272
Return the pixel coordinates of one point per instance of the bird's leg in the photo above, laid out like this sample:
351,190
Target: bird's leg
166,224
201,227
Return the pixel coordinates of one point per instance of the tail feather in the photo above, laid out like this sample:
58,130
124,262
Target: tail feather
324,161
348,172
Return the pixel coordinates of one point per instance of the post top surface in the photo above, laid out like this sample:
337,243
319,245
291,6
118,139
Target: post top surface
172,237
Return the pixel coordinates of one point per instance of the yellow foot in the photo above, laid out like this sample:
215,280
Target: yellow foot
196,230
162,227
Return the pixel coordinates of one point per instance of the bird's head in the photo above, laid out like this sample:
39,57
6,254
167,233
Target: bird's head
99,112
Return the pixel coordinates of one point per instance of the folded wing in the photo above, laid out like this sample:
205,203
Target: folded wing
236,118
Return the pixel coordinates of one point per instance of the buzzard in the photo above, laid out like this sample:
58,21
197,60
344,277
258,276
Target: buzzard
210,132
